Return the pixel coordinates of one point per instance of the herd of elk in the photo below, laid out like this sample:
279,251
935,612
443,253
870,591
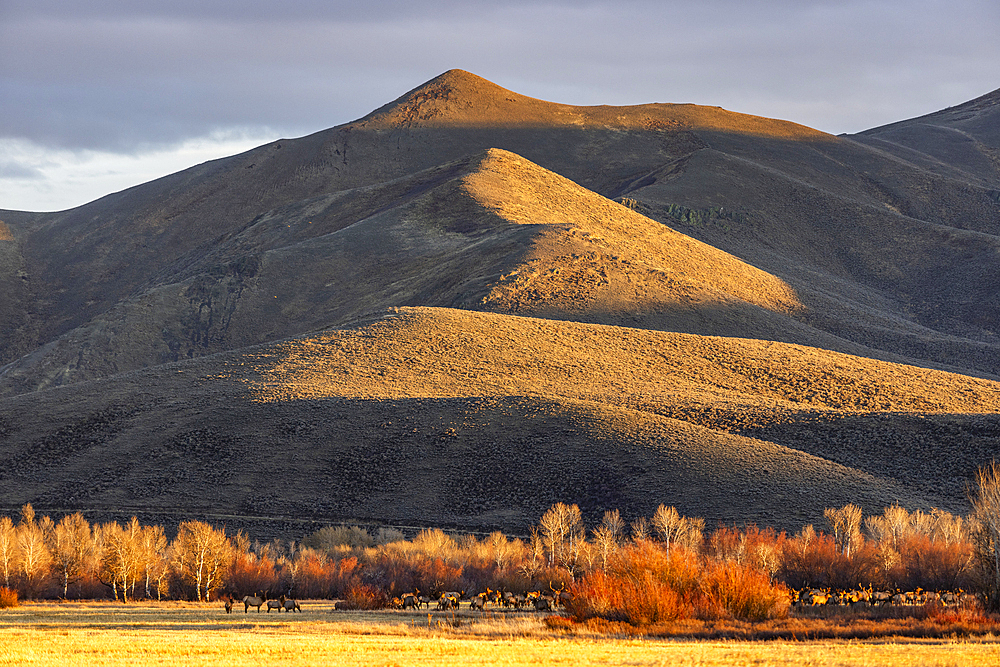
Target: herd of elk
867,597
259,599
451,600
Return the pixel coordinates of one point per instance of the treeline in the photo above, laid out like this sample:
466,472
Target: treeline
72,559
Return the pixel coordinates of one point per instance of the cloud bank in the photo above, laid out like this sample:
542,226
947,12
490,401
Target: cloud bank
116,78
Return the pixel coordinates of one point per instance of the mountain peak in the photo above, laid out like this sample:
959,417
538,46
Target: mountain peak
457,97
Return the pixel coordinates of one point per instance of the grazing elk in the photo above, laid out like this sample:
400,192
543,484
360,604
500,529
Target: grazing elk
229,604
410,601
479,602
292,605
278,604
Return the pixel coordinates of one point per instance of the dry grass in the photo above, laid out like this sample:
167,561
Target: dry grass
182,634
433,352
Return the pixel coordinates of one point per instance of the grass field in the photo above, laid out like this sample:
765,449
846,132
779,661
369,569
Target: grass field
178,633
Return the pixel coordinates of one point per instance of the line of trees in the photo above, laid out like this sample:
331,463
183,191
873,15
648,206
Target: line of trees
72,559
897,549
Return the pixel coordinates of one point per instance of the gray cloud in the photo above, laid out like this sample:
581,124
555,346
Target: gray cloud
112,75
17,171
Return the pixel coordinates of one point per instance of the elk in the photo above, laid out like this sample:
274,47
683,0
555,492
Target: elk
410,601
560,596
278,604
292,605
253,601
543,603
229,604
450,600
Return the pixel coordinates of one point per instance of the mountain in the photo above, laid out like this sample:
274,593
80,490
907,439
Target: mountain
615,306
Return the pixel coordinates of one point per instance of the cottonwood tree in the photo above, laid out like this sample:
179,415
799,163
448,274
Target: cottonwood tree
608,536
72,547
985,534
640,529
8,546
501,549
154,562
668,523
562,531
121,556
846,525
202,554
32,553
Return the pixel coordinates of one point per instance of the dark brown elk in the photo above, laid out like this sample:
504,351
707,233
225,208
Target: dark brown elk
410,601
253,601
479,602
543,603
560,596
229,604
292,605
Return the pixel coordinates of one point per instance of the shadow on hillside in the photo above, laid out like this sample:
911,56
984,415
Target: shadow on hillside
934,453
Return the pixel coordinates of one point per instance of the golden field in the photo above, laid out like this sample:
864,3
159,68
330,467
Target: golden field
182,633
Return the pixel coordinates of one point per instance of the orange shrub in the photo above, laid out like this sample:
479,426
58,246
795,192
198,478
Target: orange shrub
8,598
364,596
932,564
741,592
680,569
644,586
249,574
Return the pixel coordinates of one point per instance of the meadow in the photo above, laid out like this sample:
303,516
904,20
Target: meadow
190,633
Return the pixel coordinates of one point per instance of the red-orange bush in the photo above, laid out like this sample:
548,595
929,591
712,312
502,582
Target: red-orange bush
731,590
821,563
8,598
364,596
644,585
932,564
249,574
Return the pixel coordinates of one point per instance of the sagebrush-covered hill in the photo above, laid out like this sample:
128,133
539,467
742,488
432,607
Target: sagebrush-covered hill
615,306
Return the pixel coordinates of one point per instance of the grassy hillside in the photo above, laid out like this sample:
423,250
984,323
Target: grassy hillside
471,304
481,420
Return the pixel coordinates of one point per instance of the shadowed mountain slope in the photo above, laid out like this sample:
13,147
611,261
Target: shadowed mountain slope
480,420
961,142
628,306
816,211
492,232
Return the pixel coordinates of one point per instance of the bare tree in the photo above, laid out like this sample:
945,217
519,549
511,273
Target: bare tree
153,561
608,536
667,522
120,557
201,555
535,558
8,547
72,547
673,528
500,548
640,529
846,525
562,531
33,556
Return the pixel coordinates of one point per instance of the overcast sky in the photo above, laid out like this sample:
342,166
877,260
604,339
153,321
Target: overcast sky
99,95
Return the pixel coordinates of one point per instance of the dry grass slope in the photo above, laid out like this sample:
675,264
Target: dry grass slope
749,339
